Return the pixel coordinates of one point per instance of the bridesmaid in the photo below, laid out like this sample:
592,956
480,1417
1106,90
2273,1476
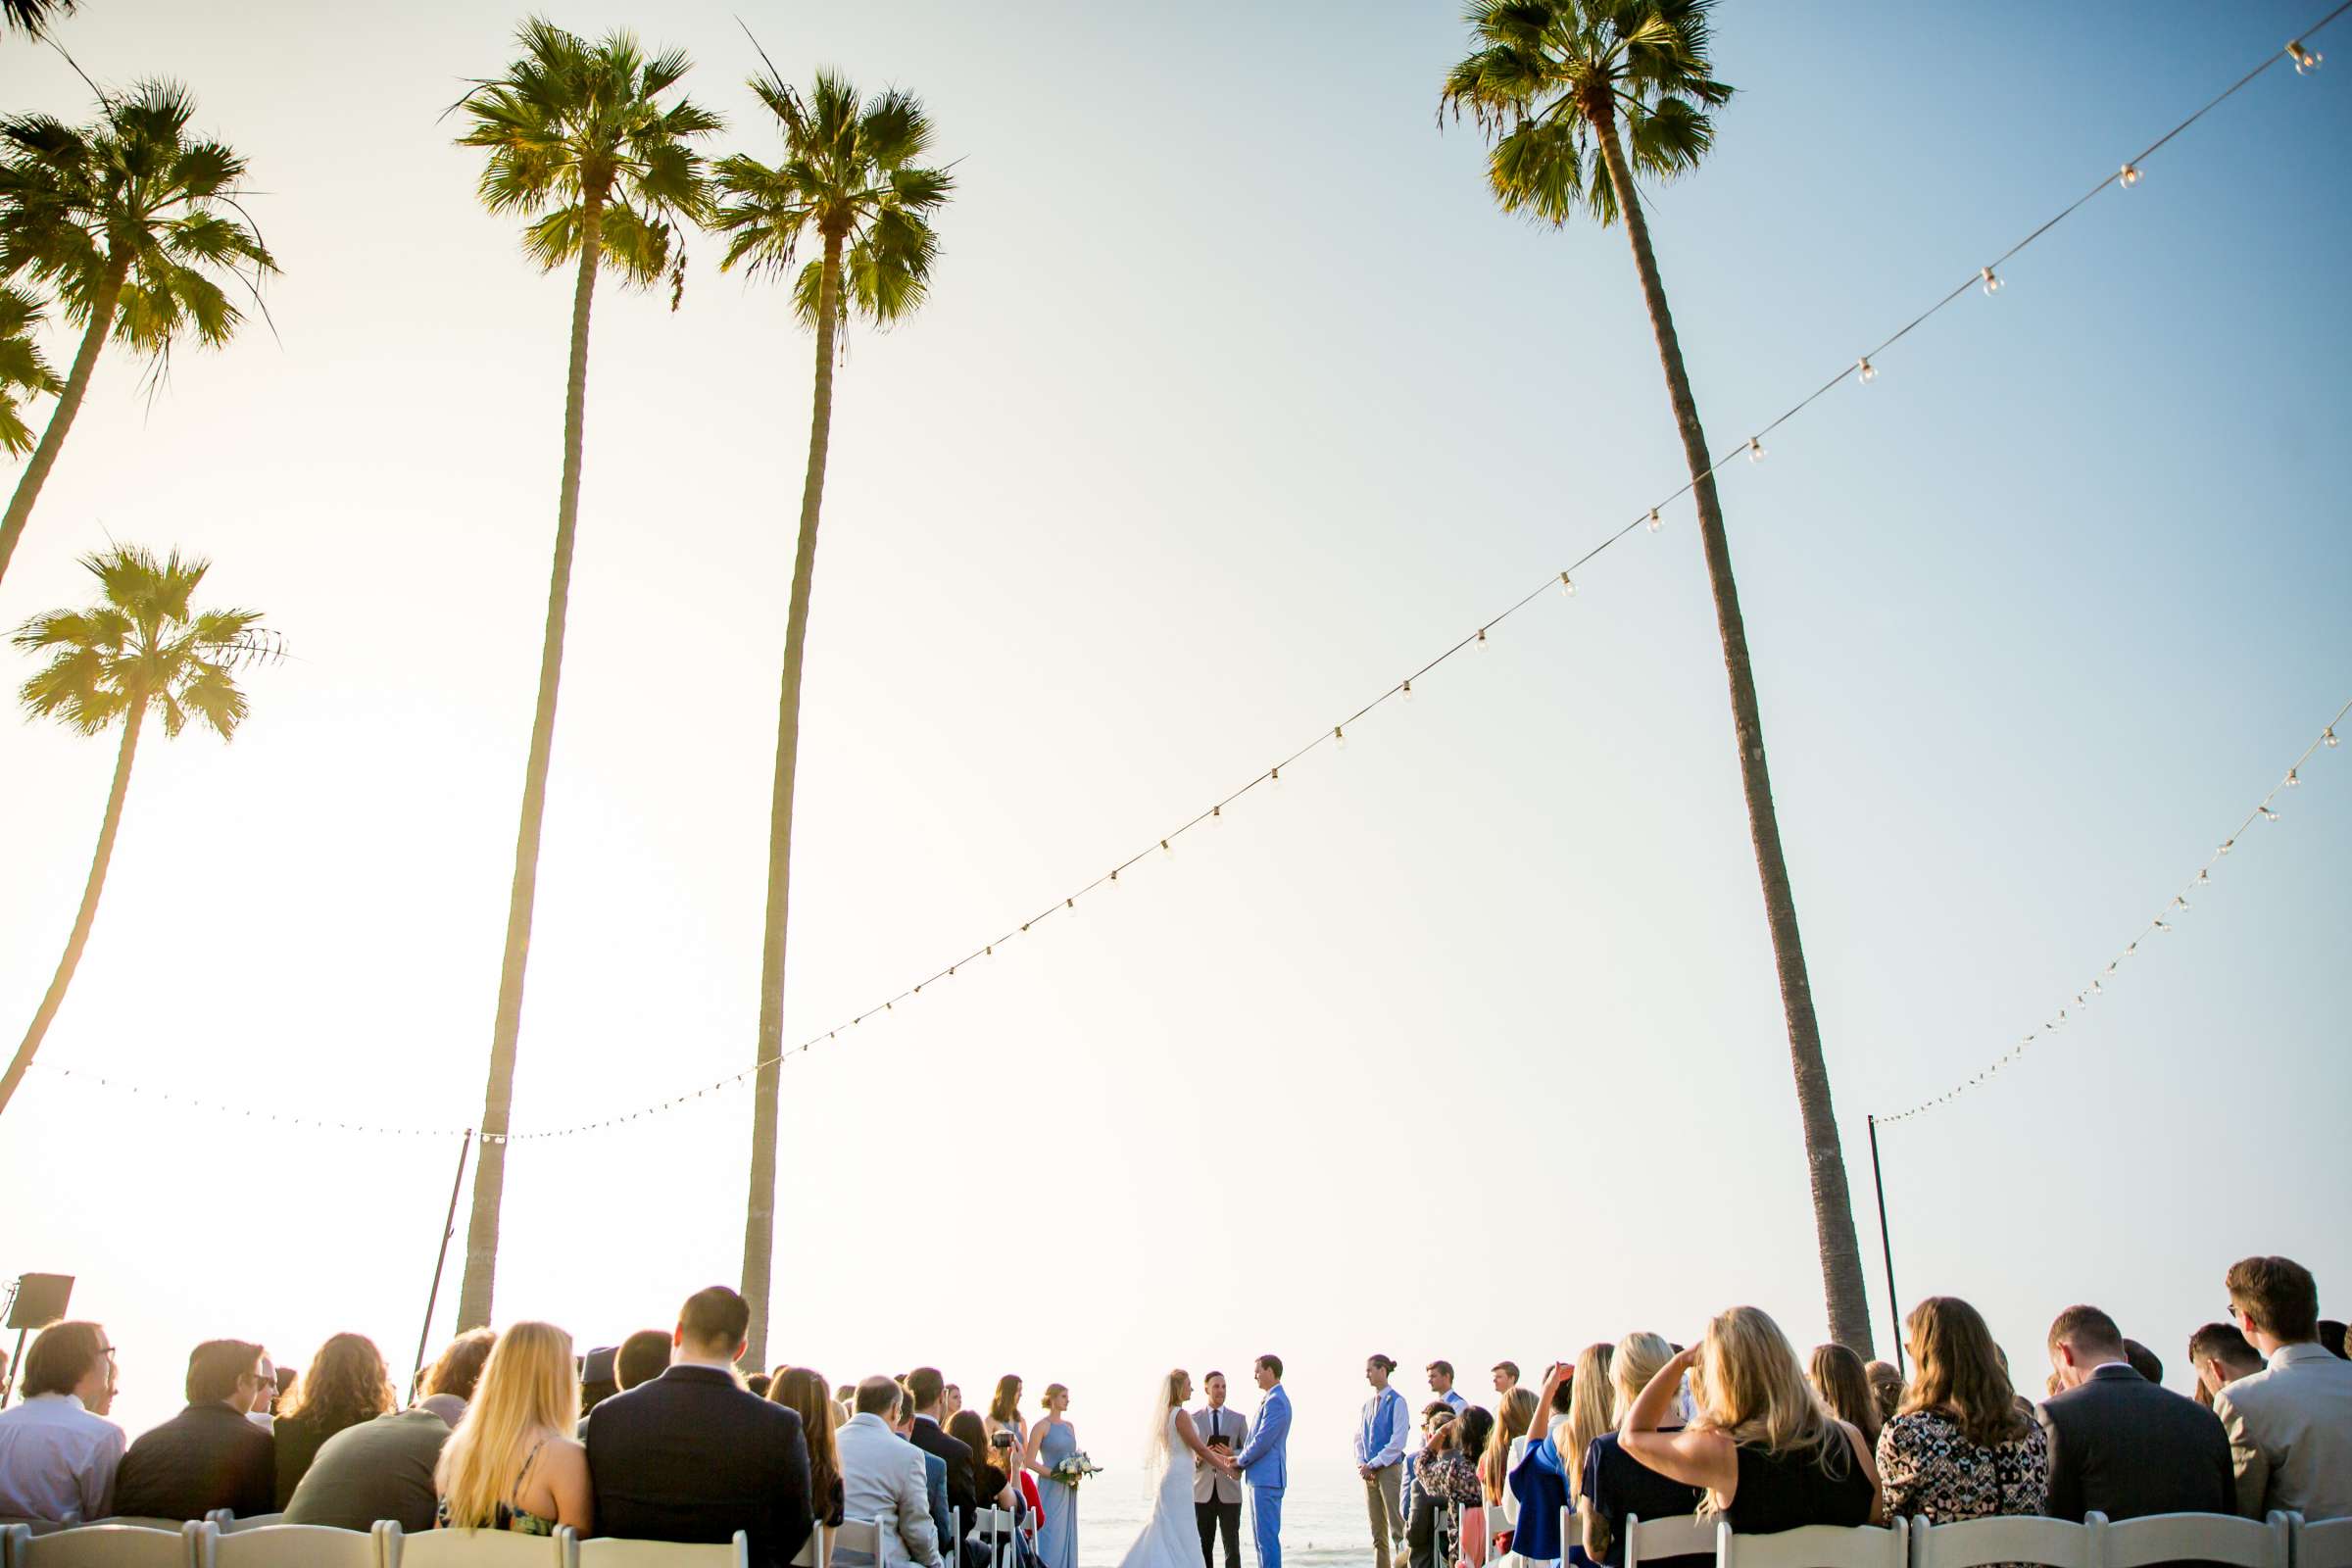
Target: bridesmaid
1051,1440
1005,1412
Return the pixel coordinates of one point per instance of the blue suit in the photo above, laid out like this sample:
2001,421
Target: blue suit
1263,1463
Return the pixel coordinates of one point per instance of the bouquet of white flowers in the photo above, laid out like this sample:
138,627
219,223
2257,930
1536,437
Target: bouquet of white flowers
1076,1468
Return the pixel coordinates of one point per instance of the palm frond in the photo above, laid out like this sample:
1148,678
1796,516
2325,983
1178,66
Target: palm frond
142,644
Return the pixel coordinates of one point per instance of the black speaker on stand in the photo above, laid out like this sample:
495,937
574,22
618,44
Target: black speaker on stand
35,1301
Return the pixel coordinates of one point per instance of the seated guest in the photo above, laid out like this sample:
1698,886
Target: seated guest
1615,1484
2289,1425
512,1462
989,1479
757,1385
642,1357
882,1477
264,1413
803,1393
1843,1384
346,1385
58,1451
1591,1410
2144,1361
2219,1354
1423,1504
1770,1457
2331,1339
1539,1485
1512,1422
1960,1447
935,1469
1887,1388
928,1391
383,1469
690,1456
2119,1443
208,1456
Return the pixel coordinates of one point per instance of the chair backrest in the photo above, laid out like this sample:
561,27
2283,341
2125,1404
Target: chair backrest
858,1539
108,1547
813,1553
286,1546
1975,1543
12,1531
2219,1537
2325,1544
1686,1535
469,1549
261,1521
603,1551
1816,1546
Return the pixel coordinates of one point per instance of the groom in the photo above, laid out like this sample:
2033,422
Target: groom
1260,1461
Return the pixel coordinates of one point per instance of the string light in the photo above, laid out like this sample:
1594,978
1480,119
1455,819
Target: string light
2306,61
1869,371
2268,816
1406,691
1755,450
1482,639
1567,586
1992,281
1656,522
2331,739
2128,177
1339,738
2294,778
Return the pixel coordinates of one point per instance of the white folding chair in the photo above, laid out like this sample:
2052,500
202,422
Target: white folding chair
1975,1543
108,1545
469,1549
2219,1537
813,1552
2325,1544
604,1551
855,1542
281,1545
1683,1535
12,1531
994,1528
1816,1546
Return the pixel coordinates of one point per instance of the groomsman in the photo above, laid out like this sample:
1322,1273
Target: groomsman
1216,1497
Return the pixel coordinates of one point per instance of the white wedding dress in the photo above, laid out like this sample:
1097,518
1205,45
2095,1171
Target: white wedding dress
1170,1538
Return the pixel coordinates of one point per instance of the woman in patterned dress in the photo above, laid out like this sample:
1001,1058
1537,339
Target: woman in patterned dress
1962,1445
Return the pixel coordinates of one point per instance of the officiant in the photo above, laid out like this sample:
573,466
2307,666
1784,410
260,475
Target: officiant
1217,1497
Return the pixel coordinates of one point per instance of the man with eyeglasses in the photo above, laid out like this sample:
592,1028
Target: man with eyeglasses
208,1456
58,1451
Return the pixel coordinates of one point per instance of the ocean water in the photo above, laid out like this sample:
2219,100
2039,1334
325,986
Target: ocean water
1324,1524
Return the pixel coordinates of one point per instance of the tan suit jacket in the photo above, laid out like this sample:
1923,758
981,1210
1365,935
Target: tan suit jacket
1207,1484
2290,1434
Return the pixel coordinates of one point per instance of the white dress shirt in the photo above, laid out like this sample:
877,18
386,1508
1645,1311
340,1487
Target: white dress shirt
57,1460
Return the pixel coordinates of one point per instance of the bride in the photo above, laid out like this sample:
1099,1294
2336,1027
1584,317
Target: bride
1172,1539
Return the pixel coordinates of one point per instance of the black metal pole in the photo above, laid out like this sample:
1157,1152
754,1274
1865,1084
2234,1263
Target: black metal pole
1895,1308
449,1228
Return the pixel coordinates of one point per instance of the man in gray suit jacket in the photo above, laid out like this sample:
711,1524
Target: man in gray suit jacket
2289,1426
1217,1497
882,1477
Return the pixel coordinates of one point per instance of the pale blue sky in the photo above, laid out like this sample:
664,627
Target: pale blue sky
1236,401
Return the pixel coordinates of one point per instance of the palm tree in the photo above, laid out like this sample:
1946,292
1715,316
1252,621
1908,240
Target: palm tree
580,143
1575,96
32,17
851,178
124,220
140,649
23,371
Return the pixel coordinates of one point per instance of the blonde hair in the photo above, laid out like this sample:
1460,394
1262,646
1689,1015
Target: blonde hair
1756,1395
1640,1355
1052,1388
530,1387
1172,1388
1518,1414
1591,1410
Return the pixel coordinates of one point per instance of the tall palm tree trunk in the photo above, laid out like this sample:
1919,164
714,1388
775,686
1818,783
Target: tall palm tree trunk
61,419
1833,1207
760,1214
490,1161
84,917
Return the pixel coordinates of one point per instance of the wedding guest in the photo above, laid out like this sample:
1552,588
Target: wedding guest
1506,1378
1843,1384
1887,1388
1216,1495
2119,1443
347,1384
2144,1361
2331,1339
383,1469
58,1451
935,1471
287,1377
1508,1438
882,1478
1959,1448
208,1456
690,1456
1455,1481
2291,1424
642,1357
1591,1410
1005,1411
2219,1354
1539,1486
989,1478
802,1392
928,1391
756,1383
1052,1440
512,1462
1769,1457
1380,1438
1427,1500
1614,1483
264,1413
951,1404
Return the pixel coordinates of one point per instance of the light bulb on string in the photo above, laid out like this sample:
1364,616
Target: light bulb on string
1339,738
2203,876
2227,846
1167,850
2128,177
2306,61
2293,779
1274,777
1868,371
1406,691
2327,735
1567,586
1656,522
1993,280
1755,449
1114,880
2267,814
1482,639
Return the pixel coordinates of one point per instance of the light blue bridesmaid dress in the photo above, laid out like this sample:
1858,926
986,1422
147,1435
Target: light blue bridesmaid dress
1058,1530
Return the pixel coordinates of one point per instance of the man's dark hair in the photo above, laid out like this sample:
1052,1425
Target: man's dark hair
642,1357
61,1357
287,1377
878,1396
2278,1294
1444,1369
2223,1342
2331,1339
460,1365
1272,1363
715,1315
1204,1376
1512,1367
923,1387
759,1383
215,1367
2144,1361
1387,1364
2089,1328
